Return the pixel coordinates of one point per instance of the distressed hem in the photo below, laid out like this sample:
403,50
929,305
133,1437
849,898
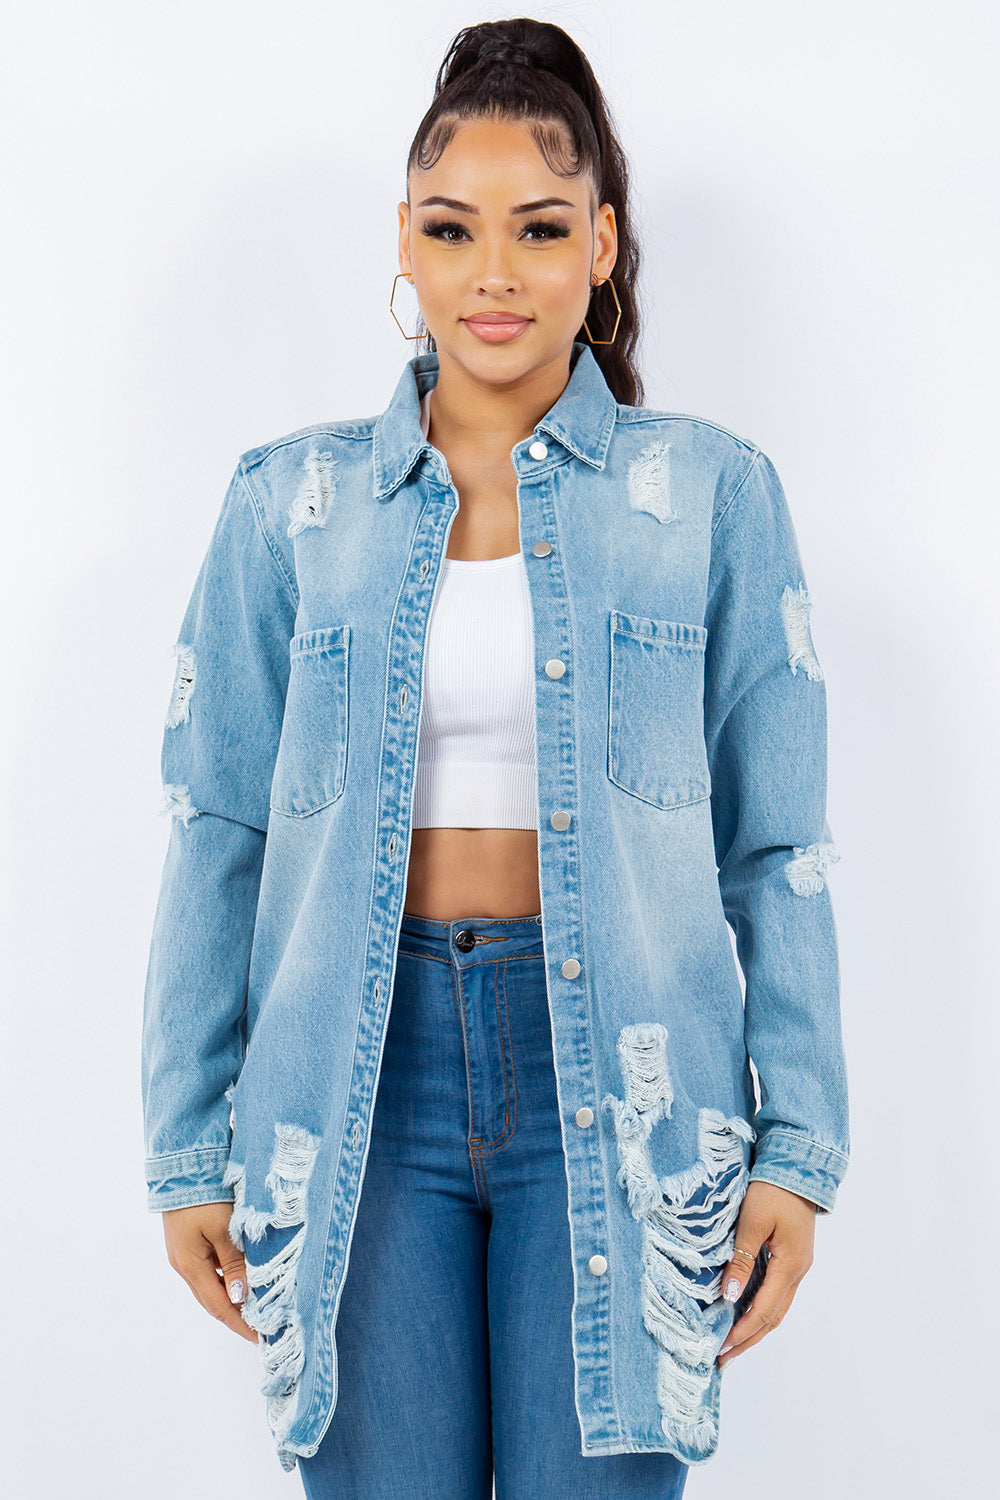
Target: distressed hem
688,1221
270,1305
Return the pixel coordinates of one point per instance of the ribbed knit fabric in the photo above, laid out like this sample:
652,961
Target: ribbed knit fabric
476,763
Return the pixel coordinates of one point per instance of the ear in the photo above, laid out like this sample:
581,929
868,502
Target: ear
605,241
404,237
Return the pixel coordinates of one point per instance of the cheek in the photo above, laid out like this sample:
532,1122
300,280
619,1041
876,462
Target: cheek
434,271
564,282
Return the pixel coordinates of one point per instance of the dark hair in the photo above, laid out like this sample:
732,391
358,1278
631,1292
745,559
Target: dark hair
522,69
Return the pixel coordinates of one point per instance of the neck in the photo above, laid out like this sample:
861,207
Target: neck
466,413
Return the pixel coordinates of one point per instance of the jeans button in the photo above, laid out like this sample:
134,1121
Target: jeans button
465,940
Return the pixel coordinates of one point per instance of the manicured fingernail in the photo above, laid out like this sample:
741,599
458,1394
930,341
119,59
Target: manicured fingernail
725,1351
731,1290
236,1291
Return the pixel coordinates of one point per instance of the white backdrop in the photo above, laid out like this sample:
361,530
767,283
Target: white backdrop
199,245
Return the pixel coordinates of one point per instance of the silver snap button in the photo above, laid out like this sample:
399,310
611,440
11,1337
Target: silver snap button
585,1116
555,667
538,449
598,1264
560,820
570,968
542,549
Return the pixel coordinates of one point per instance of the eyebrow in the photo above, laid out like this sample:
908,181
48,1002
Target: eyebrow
519,208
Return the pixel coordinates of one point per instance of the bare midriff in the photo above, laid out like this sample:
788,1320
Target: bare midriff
473,872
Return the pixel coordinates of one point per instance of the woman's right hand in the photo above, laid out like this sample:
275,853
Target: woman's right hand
199,1248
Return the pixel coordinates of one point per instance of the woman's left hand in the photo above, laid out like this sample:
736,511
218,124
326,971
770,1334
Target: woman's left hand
787,1223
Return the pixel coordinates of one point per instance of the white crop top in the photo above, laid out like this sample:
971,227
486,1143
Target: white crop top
476,764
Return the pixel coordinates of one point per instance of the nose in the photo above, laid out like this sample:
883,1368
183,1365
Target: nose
495,273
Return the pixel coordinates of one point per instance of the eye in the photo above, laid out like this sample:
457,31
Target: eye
441,229
437,229
554,230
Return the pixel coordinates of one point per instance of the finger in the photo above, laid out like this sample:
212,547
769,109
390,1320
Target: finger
202,1277
212,1295
770,1304
740,1267
755,1226
233,1268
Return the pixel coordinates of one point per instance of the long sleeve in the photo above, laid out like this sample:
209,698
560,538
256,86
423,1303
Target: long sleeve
219,746
765,727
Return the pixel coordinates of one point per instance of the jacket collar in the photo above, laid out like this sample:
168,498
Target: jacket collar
582,419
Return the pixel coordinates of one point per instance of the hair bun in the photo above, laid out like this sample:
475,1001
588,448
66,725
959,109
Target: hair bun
497,49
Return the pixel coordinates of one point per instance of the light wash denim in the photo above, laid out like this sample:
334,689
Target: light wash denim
463,1226
681,749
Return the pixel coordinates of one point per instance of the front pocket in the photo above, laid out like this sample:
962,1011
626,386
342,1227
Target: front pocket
311,765
656,725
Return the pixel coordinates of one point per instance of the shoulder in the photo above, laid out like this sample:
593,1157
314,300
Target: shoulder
691,428
704,452
291,446
292,478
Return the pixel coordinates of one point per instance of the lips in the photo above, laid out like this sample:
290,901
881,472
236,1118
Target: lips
483,318
497,327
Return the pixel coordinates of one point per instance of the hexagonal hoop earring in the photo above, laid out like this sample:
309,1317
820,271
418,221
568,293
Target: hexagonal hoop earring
391,299
606,282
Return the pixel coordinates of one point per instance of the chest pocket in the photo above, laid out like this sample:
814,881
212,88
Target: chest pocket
311,765
656,729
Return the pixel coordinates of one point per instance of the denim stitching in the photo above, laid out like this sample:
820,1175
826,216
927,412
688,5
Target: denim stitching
510,1086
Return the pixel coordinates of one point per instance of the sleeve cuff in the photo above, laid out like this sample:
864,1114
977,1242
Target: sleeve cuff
184,1179
804,1166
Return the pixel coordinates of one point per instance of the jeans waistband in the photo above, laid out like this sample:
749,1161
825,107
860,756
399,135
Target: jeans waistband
472,939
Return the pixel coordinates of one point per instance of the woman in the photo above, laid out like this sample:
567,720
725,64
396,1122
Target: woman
498,706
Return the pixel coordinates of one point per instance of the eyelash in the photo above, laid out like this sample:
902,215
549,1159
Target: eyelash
435,228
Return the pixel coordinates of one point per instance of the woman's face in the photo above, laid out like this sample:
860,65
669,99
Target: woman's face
491,229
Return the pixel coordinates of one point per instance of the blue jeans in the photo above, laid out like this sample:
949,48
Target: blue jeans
454,1342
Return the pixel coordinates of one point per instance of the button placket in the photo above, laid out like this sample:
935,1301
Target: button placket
561,820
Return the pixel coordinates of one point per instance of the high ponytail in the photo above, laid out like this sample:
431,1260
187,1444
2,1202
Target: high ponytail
523,69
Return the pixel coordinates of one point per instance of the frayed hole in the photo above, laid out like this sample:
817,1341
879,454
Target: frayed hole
177,802
796,604
807,870
312,503
642,1052
184,677
649,482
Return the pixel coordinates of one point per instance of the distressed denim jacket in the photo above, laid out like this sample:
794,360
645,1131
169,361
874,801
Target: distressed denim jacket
681,753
